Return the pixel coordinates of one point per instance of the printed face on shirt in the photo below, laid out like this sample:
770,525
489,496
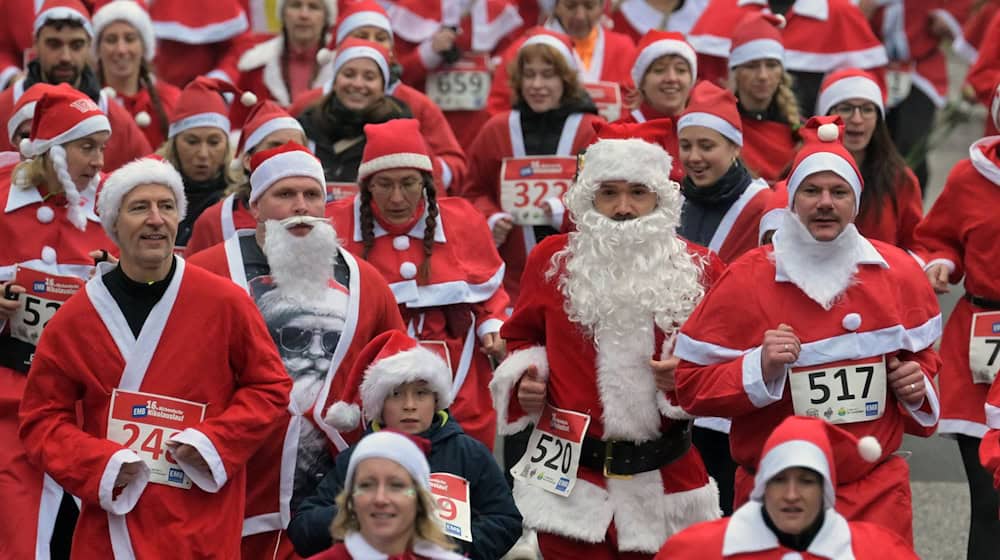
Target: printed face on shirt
397,194
201,152
793,499
291,196
62,53
705,154
860,119
359,84
373,34
578,17
304,21
307,342
120,51
147,225
384,498
757,81
667,84
410,407
85,158
824,203
621,200
541,85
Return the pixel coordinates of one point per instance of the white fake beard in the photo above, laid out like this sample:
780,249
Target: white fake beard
302,267
620,275
821,269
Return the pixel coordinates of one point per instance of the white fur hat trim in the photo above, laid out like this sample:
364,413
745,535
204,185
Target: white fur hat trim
129,12
850,87
127,177
415,364
362,19
282,166
660,48
633,160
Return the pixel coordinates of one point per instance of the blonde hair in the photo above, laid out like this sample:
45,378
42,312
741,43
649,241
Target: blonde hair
31,173
168,151
784,98
426,525
571,82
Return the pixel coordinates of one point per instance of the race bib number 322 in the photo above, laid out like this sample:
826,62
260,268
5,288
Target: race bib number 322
553,455
44,295
526,183
840,392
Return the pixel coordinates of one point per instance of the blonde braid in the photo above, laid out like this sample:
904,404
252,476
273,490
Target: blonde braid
787,103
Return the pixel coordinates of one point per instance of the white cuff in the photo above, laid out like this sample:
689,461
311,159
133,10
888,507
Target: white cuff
220,74
558,211
761,393
992,417
505,378
206,448
6,74
948,263
492,220
446,175
130,493
489,326
926,419
428,57
714,423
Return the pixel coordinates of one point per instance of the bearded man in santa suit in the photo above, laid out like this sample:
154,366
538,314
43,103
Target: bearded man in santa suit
175,379
322,305
825,323
593,327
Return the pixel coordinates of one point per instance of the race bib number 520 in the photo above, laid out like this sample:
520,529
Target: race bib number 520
840,392
553,455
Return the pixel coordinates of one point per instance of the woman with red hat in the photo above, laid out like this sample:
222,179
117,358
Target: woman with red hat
891,204
51,236
958,240
437,255
125,45
524,159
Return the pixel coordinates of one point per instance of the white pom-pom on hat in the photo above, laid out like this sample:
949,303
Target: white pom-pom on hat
25,147
45,214
236,165
143,119
828,132
782,21
109,91
343,416
248,99
851,321
869,448
324,56
48,255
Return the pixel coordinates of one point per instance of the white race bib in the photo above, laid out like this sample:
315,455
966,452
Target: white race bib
143,422
553,455
451,494
44,295
340,191
899,83
462,86
607,96
840,392
984,347
526,182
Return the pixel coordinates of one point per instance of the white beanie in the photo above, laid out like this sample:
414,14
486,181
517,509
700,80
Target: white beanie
288,160
144,171
395,447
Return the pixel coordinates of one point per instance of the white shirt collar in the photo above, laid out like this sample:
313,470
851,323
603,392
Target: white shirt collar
747,532
416,232
816,9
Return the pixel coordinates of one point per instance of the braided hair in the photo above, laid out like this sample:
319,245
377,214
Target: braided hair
146,81
367,217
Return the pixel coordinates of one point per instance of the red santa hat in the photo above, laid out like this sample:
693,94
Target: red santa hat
713,107
144,171
54,10
630,152
201,104
262,119
24,109
362,14
388,361
288,160
63,114
394,446
655,44
757,36
557,41
847,84
132,13
823,150
211,22
395,144
812,443
353,48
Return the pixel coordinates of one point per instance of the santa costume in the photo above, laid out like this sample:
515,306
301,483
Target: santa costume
803,443
293,280
510,141
141,385
635,18
856,305
443,270
985,72
590,340
153,117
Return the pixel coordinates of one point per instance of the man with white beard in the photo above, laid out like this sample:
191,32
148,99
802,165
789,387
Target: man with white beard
321,306
610,471
845,323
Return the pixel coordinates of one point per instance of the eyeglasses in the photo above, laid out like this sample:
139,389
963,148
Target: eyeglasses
408,186
846,110
297,339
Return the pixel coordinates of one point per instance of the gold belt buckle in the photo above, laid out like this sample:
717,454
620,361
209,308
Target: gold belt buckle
607,463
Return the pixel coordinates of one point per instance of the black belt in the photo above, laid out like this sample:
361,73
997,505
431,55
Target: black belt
15,354
618,459
982,302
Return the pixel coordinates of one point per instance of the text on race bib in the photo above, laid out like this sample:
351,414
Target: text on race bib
462,86
340,191
840,392
44,295
553,455
984,347
451,496
607,97
526,183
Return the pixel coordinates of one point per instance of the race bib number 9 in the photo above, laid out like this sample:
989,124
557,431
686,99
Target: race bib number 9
984,347
144,422
451,495
525,184
840,392
607,96
44,295
553,455
462,86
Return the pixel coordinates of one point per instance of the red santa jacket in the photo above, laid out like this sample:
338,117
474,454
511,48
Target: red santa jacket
16,37
895,223
671,143
499,139
234,371
985,73
768,147
739,230
889,311
746,536
960,231
636,17
650,506
142,102
198,38
371,310
820,36
261,72
127,141
218,223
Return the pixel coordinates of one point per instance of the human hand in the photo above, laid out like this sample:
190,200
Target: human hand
494,346
128,473
663,373
443,40
780,348
501,229
531,391
938,276
188,455
9,301
906,380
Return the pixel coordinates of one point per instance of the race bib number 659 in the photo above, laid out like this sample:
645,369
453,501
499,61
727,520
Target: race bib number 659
840,392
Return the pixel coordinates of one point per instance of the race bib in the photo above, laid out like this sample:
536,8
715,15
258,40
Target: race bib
840,392
984,347
340,191
553,454
451,494
525,183
44,295
143,422
898,84
607,96
462,86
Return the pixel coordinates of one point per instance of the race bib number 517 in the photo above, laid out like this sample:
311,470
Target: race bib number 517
840,392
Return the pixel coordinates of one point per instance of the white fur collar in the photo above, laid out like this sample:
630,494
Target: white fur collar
359,549
417,232
983,164
261,53
816,9
747,532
